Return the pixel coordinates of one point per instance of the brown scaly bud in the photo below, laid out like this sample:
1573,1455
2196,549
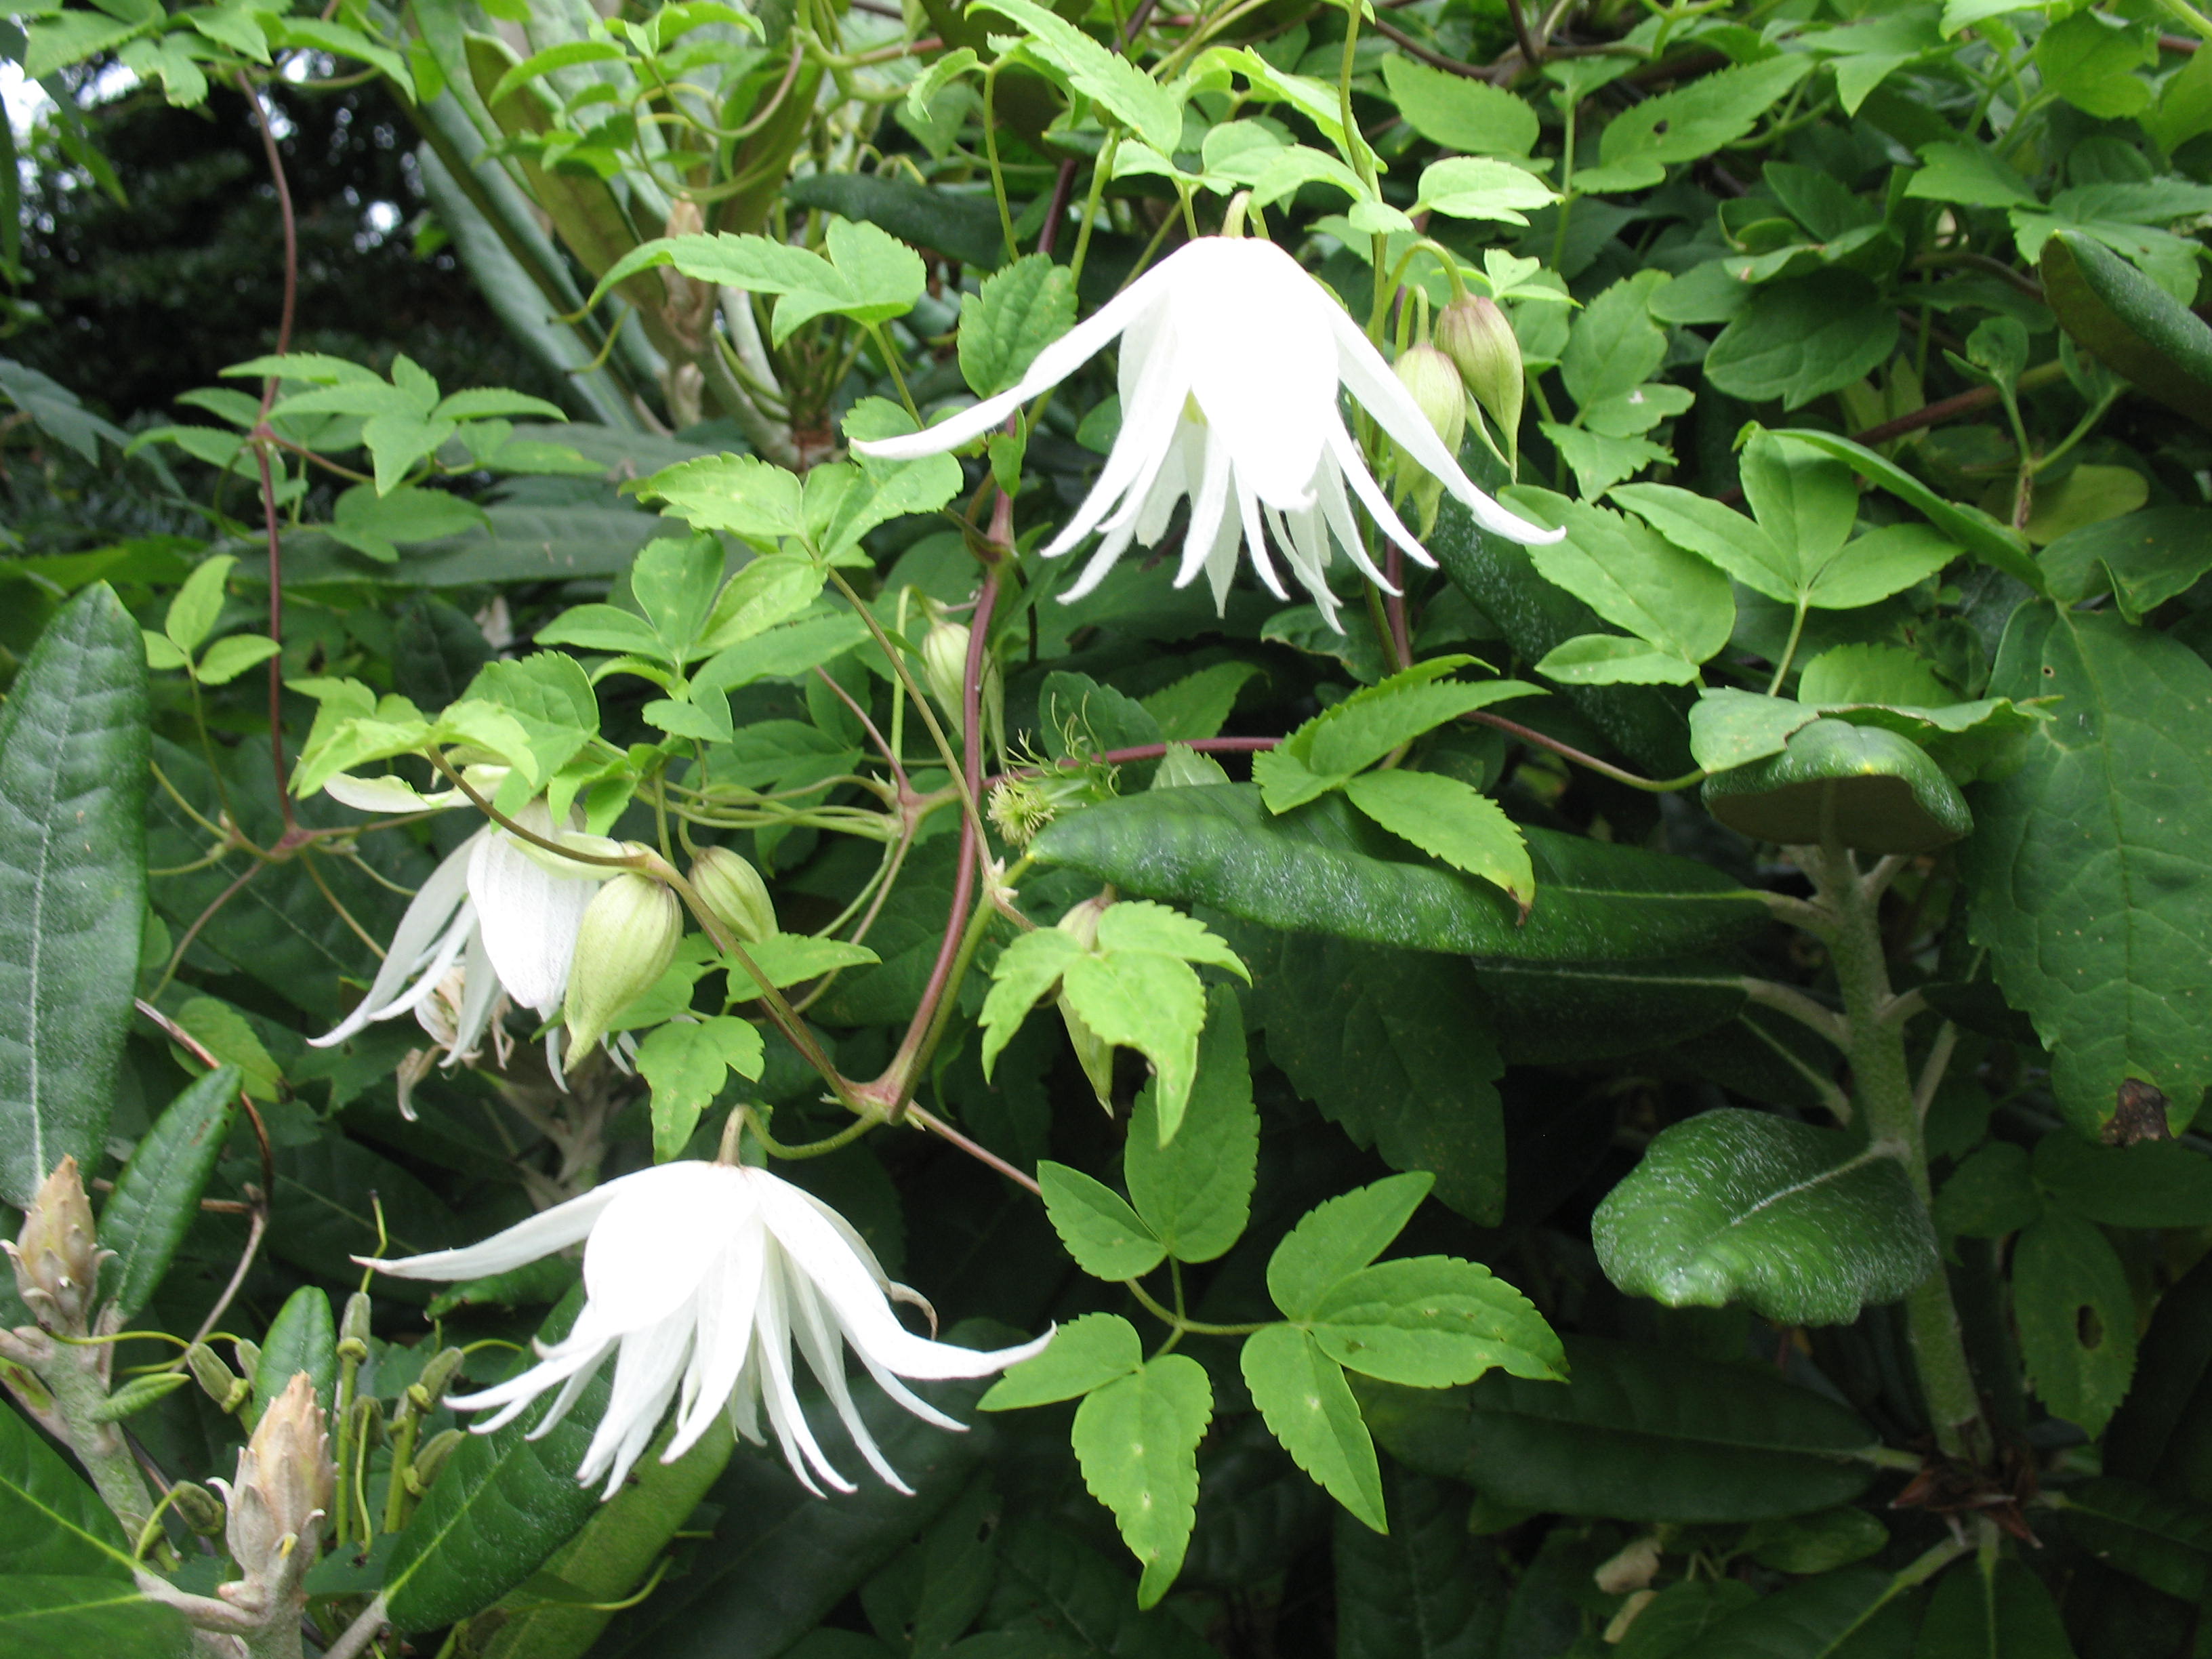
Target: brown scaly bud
1093,1052
732,891
1479,341
284,1489
57,1255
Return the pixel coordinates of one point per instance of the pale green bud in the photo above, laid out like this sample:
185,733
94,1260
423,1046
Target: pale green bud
624,945
1479,340
945,665
224,1385
57,1255
429,1460
198,1508
1435,383
425,1392
729,886
353,1329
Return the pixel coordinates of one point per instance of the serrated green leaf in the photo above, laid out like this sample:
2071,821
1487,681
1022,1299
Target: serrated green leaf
1797,339
157,1195
2076,1319
1990,1195
686,1062
1452,820
229,658
1137,100
1024,971
1084,1354
1108,1239
1306,1404
1433,1321
1632,577
1615,660
740,494
1735,1205
1017,313
1149,1002
1137,1440
1196,1192
1337,1238
73,788
1704,116
1472,116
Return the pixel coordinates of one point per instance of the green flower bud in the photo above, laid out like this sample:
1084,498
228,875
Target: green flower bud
353,1329
56,1255
198,1508
1435,383
624,945
944,671
729,886
1479,341
429,1460
1093,1052
223,1386
424,1392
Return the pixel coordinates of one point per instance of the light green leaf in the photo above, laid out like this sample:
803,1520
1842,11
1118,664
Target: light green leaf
1466,187
1198,705
1470,116
766,594
1152,1003
686,1062
1195,1193
1108,1239
1615,660
1335,1239
1803,499
1137,1441
1979,534
1434,1322
303,1337
1704,116
2077,1318
1449,819
1370,723
1134,99
1024,971
1969,175
1084,1354
2090,60
1871,673
1306,1404
192,616
1633,577
227,659
742,494
1742,1206
51,1521
1017,313
1614,346
1600,461
794,959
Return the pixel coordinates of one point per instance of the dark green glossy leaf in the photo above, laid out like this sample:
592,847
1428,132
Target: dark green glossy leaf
1851,1613
2135,328
1320,868
157,1195
2090,880
1675,1624
2076,1317
50,1520
964,225
73,782
1548,1013
323,1213
1992,1609
500,1507
2158,1183
1058,1595
303,1337
1869,787
2164,1540
1798,1223
1424,1591
2142,559
63,1617
1637,1434
2163,1433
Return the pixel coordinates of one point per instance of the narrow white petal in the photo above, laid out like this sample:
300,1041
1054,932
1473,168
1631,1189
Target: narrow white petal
778,1394
645,1375
825,1348
1369,379
745,1399
1255,540
1353,471
1148,427
529,915
1178,477
479,991
907,1398
543,1234
420,927
440,962
1209,508
728,1299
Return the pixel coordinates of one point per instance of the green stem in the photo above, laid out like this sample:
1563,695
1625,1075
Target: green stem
1182,1327
1883,1084
73,1377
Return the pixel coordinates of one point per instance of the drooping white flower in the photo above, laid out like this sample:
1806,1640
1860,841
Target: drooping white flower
501,918
702,1278
1231,359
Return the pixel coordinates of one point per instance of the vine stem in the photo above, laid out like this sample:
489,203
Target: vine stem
1883,1084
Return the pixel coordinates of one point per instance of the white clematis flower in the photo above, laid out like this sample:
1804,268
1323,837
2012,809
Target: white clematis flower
1232,357
498,916
702,1279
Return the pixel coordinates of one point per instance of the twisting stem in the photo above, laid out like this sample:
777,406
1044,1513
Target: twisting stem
1568,751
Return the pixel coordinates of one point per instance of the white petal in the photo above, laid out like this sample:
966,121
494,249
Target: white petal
1179,474
653,1245
1209,508
1255,539
529,915
1054,364
1353,471
729,1297
543,1234
480,990
645,1374
1369,379
779,1396
823,1344
1149,420
388,794
1263,370
420,927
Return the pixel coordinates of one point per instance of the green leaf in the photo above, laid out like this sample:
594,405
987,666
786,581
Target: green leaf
1639,1434
71,38
1196,1192
51,1521
1425,1589
2133,326
1853,1612
1706,115
1451,820
1615,660
502,1505
868,275
227,659
1321,869
1819,1542
1137,1440
2077,1318
1108,1239
1336,1239
1469,187
302,1337
963,224
1979,534
1735,1205
1573,1012
765,593
1084,1354
1991,1608
1804,500
2142,559
2161,1539
61,1618
1989,1195
1059,1599
1393,1048
2154,1436
1870,673
73,786
1140,1000
1472,116
1614,346
686,1062
794,959
1795,340
1632,577
1433,1321
1016,314
1306,1404
2087,881
1970,176
157,1195
1134,98
1198,705
192,612
1370,723
2155,1183
742,494
1673,1625
1869,787
2089,61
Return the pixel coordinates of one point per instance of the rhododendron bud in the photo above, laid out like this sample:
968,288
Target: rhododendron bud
734,892
624,945
1479,340
283,1493
57,1255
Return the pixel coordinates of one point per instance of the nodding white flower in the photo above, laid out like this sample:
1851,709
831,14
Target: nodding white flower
505,920
702,1279
1232,357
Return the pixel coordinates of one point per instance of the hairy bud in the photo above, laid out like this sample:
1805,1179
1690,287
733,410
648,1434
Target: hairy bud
1093,1052
57,1255
624,945
1479,341
198,1508
729,886
689,306
283,1491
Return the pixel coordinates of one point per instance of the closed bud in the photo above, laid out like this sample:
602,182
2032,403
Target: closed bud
57,1255
425,1392
1435,383
283,1490
353,1329
732,891
198,1508
249,1356
1479,341
1093,1052
224,1386
429,1460
944,671
624,945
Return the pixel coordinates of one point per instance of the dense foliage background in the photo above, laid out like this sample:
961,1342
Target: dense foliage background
1740,967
